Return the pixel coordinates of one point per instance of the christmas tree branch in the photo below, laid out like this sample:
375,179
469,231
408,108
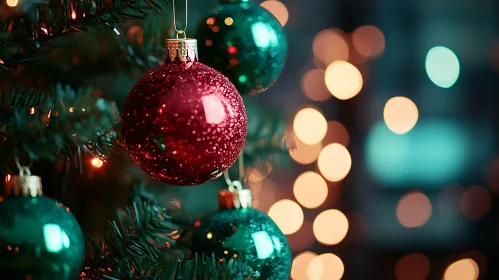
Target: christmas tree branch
26,29
267,140
62,124
143,245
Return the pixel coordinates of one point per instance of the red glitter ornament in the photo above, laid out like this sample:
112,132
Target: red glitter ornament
184,123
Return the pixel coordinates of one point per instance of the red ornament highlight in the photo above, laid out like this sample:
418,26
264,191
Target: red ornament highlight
184,123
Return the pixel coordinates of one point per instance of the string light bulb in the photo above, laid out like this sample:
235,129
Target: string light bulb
12,3
97,162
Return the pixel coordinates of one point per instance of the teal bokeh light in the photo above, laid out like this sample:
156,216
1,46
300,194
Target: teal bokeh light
434,153
442,66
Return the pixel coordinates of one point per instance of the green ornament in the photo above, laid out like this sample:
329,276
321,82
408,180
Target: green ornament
40,238
241,233
245,42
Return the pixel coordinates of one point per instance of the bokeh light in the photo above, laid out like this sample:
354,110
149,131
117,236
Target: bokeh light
475,202
334,162
278,9
305,154
287,214
310,126
464,269
330,227
330,45
310,189
343,80
479,258
336,133
300,264
12,3
314,86
414,210
435,152
442,66
400,114
97,162
325,267
414,266
368,40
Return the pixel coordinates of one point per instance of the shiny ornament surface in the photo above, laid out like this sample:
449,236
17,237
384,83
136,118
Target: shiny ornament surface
184,123
246,43
39,239
248,234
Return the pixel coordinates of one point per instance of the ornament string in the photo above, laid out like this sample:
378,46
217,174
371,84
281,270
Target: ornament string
179,31
236,184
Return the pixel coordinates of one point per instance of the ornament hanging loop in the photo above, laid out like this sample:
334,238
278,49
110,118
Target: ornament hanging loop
23,169
179,31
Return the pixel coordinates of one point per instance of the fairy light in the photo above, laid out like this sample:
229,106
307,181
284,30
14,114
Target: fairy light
12,3
32,110
97,162
73,15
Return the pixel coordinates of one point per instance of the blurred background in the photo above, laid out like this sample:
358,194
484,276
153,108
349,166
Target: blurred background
394,109
394,106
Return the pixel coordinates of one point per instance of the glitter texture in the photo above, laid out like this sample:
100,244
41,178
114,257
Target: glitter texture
39,239
246,43
248,234
184,123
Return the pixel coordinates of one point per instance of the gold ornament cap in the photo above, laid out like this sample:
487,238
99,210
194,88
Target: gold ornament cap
236,199
185,50
23,186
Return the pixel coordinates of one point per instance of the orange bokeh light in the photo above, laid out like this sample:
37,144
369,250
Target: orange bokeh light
325,267
287,214
414,266
368,40
278,9
464,269
300,264
414,210
400,114
330,227
310,126
343,80
336,133
330,45
310,189
314,86
305,154
334,162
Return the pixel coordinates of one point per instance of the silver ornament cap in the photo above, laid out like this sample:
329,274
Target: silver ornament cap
186,49
28,185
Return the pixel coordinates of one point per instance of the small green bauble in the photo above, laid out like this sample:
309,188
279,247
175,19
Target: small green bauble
40,238
247,235
245,42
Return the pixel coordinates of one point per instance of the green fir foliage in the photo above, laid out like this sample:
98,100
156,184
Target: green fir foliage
142,245
46,126
32,26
